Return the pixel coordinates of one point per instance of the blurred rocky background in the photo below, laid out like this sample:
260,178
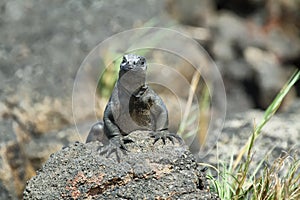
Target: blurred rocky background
255,43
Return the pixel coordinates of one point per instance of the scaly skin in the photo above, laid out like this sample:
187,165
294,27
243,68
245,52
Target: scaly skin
132,106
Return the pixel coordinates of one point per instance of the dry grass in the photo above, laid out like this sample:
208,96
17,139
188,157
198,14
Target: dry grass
281,180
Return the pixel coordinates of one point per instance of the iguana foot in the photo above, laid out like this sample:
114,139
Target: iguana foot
164,135
116,145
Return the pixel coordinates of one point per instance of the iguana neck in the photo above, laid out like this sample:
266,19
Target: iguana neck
137,92
131,81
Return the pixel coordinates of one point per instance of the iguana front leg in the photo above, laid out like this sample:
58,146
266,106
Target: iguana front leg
159,113
113,133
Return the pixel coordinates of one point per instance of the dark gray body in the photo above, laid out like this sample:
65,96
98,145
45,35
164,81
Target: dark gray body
143,110
132,106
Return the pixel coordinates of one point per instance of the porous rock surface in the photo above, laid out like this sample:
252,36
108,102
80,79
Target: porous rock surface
146,172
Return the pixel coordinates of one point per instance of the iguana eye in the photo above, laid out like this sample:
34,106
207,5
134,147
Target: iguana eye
142,61
124,60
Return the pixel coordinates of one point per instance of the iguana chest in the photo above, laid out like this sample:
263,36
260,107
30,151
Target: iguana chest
139,110
135,113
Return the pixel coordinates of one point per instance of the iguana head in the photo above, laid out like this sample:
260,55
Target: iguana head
132,74
133,62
